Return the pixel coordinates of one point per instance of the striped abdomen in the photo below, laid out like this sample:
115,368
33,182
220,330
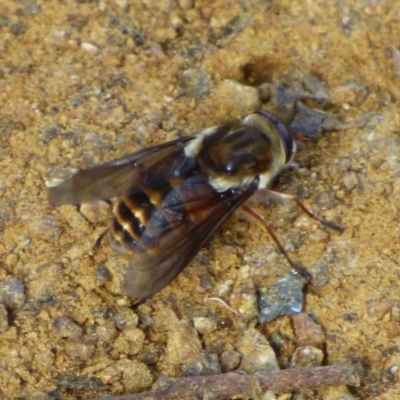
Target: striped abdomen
141,223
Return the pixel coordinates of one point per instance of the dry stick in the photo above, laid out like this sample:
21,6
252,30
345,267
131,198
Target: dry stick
233,384
309,378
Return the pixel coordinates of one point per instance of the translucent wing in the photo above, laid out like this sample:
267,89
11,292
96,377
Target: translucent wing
172,249
115,178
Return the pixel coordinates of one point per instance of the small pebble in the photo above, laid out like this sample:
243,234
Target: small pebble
67,329
349,181
43,359
150,357
73,44
308,333
122,302
244,299
110,375
319,274
48,133
89,47
255,348
96,211
183,344
244,296
392,329
307,356
12,293
283,297
204,325
379,309
230,360
45,282
129,342
106,333
117,267
136,377
103,275
237,95
394,369
76,101
126,319
312,123
225,288
164,319
79,351
315,87
325,200
193,83
206,364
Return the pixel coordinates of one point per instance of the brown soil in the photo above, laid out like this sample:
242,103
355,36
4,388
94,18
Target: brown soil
84,82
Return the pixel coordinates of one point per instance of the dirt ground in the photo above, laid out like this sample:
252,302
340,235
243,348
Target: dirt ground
85,82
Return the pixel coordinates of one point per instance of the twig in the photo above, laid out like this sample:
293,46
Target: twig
233,384
309,378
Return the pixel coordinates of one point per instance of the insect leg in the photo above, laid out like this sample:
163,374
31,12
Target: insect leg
264,224
288,197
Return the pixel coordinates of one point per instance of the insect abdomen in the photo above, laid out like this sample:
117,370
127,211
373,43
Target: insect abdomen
152,210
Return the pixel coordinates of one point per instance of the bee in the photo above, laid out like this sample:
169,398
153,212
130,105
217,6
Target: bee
173,197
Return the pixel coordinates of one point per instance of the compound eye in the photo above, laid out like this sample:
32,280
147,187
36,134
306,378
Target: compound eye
288,141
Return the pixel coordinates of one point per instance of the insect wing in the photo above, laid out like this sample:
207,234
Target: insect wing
207,210
115,178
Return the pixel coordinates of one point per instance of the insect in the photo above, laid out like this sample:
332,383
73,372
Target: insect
174,196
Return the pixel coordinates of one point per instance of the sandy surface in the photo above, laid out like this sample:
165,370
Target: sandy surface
84,82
